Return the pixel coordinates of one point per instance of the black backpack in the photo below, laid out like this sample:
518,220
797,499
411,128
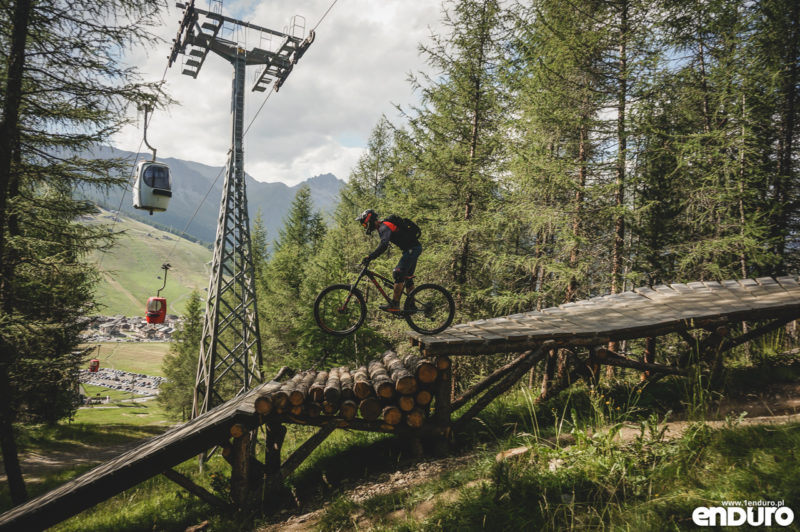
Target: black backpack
409,231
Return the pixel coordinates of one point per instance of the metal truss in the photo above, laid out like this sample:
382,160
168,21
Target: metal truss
230,351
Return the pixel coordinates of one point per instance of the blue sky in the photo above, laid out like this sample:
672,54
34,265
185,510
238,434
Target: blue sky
320,120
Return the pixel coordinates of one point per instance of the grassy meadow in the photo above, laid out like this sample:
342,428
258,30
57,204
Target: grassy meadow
131,271
135,357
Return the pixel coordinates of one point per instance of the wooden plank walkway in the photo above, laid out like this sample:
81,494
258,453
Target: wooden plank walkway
128,469
646,311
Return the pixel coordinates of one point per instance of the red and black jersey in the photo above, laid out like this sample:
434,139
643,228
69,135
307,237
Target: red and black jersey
391,232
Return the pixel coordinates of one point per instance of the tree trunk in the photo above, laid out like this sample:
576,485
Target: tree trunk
9,141
784,180
619,194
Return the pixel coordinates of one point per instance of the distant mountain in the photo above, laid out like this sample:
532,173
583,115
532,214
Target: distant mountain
191,181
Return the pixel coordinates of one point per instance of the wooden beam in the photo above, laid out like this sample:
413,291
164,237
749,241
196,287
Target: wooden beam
302,452
488,381
187,484
507,382
442,411
604,356
755,333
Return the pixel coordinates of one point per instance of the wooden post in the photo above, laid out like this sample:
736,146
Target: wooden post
547,375
649,355
241,471
276,433
442,412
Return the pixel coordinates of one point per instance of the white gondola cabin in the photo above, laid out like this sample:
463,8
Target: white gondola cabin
153,187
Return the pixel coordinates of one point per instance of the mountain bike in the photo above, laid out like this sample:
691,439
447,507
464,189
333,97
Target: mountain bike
340,309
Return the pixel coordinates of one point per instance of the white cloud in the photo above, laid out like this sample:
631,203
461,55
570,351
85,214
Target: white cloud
319,122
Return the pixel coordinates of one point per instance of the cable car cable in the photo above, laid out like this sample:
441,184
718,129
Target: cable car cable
325,15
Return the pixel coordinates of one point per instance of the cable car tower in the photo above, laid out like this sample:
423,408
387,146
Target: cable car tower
230,349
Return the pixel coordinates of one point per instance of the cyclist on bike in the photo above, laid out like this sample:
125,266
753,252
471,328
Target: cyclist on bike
402,233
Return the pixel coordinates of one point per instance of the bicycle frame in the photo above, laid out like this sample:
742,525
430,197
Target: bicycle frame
372,277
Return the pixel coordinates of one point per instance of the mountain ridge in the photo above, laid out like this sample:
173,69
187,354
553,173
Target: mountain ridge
196,184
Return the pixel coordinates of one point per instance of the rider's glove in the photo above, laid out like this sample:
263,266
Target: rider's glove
366,260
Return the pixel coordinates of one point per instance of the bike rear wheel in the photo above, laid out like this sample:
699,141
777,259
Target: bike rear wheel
340,309
429,309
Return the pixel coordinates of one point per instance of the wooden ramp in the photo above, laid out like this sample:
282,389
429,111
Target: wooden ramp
128,469
643,312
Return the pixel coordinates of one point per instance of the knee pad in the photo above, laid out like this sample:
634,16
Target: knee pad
398,275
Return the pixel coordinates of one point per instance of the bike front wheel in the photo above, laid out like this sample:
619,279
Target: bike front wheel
340,309
429,309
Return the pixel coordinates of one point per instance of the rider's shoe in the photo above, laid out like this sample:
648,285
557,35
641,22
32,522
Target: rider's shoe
394,307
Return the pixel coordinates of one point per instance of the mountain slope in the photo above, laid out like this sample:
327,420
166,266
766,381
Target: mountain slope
131,271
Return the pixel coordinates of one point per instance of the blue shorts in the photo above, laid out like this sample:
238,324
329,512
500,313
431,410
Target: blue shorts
407,263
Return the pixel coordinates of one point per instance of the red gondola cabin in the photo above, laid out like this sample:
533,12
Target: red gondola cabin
94,365
156,310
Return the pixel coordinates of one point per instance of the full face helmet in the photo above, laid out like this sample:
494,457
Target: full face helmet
368,220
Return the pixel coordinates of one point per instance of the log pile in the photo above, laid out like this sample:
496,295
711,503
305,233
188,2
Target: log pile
390,390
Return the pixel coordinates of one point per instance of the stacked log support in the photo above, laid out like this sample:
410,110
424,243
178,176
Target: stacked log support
406,403
348,410
404,381
333,388
298,396
362,385
346,382
264,403
281,397
370,408
313,409
317,389
423,397
329,408
415,418
381,382
392,415
424,370
390,392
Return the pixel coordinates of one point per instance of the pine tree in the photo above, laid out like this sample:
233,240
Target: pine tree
64,91
453,146
180,363
545,255
284,312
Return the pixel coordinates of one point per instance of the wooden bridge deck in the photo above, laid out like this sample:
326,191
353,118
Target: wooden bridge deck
642,312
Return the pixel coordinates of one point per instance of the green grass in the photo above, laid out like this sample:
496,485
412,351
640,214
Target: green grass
86,436
131,270
113,395
143,414
135,357
649,484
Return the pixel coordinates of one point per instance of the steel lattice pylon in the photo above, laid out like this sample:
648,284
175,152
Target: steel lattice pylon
230,350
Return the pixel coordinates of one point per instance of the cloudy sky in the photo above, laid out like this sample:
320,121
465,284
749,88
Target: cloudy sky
319,122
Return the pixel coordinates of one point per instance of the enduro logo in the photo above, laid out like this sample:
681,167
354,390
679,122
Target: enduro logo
753,513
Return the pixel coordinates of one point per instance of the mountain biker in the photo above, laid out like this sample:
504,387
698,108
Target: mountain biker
405,235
